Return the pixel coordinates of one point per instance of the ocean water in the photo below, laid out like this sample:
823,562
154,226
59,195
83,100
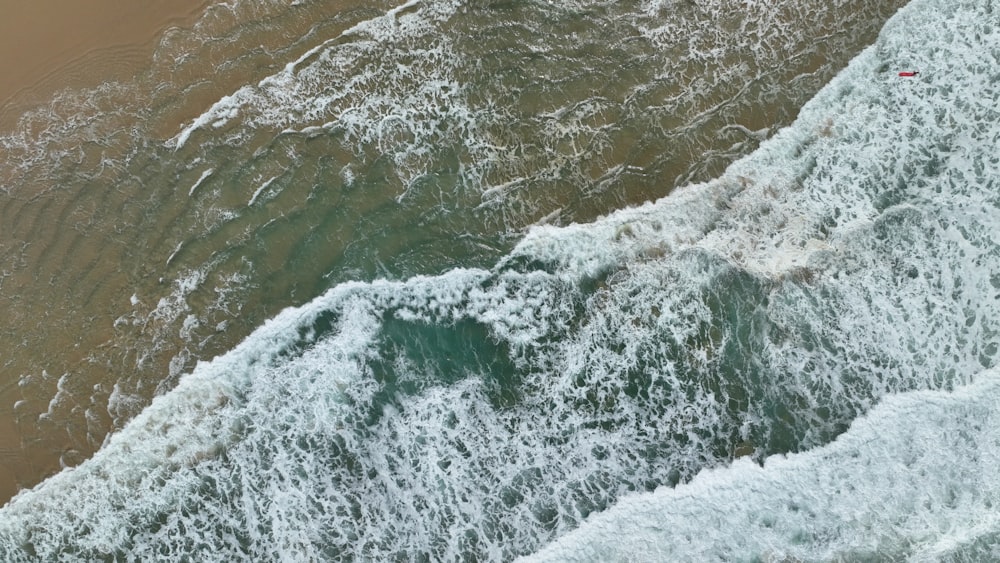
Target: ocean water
435,339
272,151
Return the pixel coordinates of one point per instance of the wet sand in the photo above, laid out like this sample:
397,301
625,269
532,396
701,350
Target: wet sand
47,46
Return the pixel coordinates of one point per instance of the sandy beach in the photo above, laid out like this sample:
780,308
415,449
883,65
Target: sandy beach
47,45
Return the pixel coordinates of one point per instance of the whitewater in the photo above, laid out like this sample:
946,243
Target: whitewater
793,361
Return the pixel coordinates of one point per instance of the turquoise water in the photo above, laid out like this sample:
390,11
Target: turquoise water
761,365
273,151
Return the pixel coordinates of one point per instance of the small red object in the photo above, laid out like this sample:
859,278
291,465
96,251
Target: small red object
909,73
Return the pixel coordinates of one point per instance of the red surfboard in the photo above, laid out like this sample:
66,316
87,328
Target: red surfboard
909,73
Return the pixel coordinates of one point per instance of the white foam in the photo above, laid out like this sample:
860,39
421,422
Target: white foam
908,481
174,253
486,413
285,91
916,479
200,179
401,85
221,112
260,190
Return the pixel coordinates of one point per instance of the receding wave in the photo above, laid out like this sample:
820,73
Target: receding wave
274,150
820,317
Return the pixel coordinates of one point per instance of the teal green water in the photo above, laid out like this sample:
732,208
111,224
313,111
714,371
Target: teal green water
391,149
394,155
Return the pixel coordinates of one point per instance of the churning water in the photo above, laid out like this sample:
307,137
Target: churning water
790,360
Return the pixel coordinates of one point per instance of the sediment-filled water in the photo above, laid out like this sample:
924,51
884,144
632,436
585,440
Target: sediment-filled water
349,283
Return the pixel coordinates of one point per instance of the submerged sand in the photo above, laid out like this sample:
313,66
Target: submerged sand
47,45
125,266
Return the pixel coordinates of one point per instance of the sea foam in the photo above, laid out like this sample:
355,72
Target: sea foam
874,156
850,263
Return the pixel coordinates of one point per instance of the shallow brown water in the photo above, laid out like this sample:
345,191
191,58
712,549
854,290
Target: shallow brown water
124,260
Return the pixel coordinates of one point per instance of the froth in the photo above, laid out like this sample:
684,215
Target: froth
485,413
915,479
410,86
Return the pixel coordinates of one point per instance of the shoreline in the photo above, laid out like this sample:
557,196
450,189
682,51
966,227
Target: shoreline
47,46
114,239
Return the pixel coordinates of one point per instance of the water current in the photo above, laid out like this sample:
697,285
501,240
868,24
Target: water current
372,299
